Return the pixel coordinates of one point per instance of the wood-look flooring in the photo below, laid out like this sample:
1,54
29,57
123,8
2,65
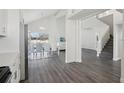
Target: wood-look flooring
91,70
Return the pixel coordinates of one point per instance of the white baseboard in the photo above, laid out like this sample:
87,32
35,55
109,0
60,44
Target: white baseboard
116,59
69,61
122,80
73,61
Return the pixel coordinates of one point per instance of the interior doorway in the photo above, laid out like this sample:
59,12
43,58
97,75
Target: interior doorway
38,45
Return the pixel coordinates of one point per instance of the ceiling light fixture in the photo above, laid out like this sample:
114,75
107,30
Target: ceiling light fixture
42,28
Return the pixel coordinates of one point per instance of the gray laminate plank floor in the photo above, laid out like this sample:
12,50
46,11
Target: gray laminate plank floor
91,70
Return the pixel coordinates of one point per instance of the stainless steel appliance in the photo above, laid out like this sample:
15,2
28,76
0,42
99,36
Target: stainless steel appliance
5,74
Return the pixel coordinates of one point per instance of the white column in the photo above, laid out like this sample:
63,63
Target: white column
73,41
78,41
122,60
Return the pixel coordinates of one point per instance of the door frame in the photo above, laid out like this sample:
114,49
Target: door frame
26,50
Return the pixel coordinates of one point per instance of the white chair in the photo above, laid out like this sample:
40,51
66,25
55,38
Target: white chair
31,51
39,49
46,50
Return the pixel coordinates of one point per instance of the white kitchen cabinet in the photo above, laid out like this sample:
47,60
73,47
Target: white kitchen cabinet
3,22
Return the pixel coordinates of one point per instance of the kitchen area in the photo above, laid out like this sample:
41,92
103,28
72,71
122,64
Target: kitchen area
9,46
9,68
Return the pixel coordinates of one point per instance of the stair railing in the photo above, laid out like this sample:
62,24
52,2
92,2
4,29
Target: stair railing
101,41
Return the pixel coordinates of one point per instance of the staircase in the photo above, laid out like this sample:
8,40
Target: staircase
107,52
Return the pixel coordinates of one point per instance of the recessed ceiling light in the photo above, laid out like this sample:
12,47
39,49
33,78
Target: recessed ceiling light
42,28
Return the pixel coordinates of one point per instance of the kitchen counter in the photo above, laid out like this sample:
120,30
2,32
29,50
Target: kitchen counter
8,59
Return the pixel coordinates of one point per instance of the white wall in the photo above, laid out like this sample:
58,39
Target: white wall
117,27
109,21
91,27
61,31
88,39
11,42
122,48
49,23
61,26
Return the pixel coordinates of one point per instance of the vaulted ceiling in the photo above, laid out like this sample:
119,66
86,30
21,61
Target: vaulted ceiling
34,14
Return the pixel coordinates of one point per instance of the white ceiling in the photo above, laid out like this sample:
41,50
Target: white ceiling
34,14
85,13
